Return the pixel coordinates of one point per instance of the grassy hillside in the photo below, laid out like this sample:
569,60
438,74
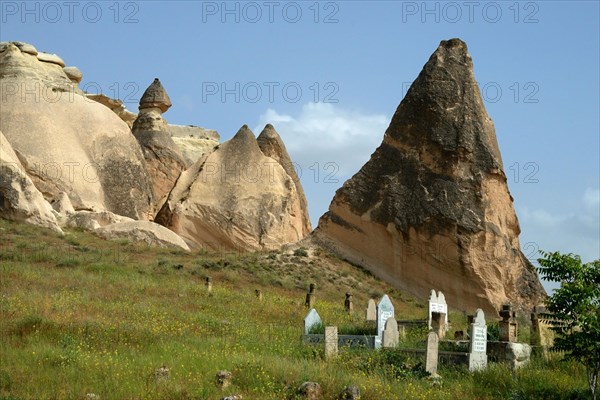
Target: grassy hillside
82,315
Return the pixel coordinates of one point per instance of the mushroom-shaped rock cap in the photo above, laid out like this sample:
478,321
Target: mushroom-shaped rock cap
155,97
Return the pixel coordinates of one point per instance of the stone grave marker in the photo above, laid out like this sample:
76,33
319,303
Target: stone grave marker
438,313
371,311
478,344
208,283
431,354
508,326
391,336
311,319
385,310
348,304
331,341
310,296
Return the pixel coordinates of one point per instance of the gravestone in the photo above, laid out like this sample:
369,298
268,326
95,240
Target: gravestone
311,319
438,314
542,335
508,327
431,354
371,311
331,341
208,283
258,294
478,343
391,336
385,310
310,296
348,305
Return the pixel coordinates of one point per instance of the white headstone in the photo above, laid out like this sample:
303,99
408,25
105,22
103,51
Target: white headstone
391,336
312,318
437,304
371,311
431,354
385,310
331,341
478,344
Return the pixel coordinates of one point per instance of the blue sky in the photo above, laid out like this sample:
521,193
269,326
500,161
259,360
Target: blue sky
329,76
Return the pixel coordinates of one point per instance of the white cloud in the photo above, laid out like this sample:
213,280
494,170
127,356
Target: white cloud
576,231
591,198
328,144
325,133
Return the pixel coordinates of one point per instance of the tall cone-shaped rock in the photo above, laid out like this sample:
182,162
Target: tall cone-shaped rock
431,208
164,160
272,146
235,198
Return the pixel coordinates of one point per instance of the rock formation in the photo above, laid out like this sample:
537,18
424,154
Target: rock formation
145,232
272,146
431,208
19,198
66,142
163,159
193,141
235,198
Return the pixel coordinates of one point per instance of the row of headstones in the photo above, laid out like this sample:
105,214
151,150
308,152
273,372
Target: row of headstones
387,334
477,346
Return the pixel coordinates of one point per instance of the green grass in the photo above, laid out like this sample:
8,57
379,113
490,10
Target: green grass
81,315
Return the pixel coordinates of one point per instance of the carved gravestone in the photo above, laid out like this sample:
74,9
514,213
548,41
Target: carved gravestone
331,341
508,327
348,304
431,354
438,314
311,319
371,311
310,296
385,310
391,336
478,343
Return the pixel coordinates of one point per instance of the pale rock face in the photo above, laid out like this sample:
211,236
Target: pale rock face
431,208
115,106
272,146
193,141
74,74
92,220
235,198
68,143
143,232
23,74
19,198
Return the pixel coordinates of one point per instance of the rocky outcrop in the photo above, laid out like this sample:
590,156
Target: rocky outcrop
235,198
115,105
193,141
143,232
272,146
19,198
68,143
431,208
163,159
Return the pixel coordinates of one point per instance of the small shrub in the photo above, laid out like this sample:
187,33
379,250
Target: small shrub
301,252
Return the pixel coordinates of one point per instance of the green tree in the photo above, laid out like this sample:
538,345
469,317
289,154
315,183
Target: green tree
575,306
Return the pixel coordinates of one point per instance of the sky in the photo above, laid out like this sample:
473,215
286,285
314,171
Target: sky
330,74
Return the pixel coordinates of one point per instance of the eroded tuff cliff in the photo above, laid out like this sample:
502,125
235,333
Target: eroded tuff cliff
235,198
431,209
67,142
